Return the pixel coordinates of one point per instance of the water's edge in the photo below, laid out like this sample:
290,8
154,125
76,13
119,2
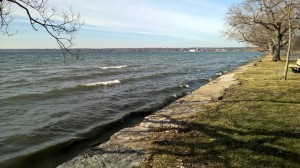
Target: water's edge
128,147
55,155
62,152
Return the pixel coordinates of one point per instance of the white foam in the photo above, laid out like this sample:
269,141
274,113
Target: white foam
219,74
184,86
113,67
106,83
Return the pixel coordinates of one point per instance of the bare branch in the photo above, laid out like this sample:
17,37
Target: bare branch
263,23
61,25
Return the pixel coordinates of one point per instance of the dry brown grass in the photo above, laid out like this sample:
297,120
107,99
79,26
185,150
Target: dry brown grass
257,124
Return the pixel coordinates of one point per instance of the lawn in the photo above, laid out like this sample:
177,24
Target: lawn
256,124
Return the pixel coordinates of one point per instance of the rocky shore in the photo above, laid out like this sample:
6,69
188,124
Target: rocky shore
131,146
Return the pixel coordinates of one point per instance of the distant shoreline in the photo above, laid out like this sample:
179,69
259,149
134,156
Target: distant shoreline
155,49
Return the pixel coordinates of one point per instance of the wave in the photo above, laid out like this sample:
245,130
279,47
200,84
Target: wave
114,67
58,92
106,83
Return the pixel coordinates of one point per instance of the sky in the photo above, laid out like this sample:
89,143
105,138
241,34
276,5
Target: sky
132,24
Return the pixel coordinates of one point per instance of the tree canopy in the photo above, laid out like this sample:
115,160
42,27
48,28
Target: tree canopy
263,23
61,25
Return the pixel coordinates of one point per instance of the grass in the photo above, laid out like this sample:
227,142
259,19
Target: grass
257,124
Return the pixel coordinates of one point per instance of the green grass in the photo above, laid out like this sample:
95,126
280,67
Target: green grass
257,124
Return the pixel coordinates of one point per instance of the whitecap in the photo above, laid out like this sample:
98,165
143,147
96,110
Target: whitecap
114,67
184,85
106,83
219,74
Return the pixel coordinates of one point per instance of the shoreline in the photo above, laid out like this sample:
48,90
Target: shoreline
131,146
56,153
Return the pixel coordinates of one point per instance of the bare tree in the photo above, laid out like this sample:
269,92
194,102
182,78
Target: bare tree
61,25
262,23
251,34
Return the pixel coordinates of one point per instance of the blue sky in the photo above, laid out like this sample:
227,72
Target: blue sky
133,23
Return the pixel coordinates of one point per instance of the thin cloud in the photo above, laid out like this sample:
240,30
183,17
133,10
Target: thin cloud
199,21
149,18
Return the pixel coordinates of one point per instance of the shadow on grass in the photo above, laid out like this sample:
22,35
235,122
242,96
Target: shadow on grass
222,149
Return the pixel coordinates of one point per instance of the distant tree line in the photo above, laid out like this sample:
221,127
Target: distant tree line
264,23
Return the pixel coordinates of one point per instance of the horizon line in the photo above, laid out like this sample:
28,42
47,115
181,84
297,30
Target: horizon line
116,48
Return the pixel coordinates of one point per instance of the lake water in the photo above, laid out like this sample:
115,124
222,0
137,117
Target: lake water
45,102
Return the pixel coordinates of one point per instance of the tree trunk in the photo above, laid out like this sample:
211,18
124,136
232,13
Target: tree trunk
289,46
271,49
276,56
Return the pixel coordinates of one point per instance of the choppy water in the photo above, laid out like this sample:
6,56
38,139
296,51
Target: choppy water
44,101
